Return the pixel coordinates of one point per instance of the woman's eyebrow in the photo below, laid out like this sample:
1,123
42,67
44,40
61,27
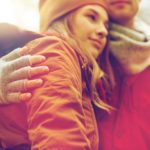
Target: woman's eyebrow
96,13
92,10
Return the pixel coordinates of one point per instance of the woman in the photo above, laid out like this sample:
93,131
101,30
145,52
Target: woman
60,113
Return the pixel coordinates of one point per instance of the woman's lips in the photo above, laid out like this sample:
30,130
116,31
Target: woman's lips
96,43
119,2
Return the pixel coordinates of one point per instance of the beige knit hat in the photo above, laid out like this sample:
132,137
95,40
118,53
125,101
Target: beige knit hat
51,10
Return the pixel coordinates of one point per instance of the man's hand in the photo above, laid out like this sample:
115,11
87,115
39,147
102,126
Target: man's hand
15,76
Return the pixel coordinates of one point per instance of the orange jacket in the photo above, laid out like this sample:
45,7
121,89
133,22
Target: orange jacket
60,114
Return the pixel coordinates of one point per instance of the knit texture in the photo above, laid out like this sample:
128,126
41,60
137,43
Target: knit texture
10,64
130,47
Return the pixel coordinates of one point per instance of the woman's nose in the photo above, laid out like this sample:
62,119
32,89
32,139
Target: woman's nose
102,31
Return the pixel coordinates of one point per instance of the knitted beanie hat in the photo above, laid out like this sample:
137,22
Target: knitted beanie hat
50,10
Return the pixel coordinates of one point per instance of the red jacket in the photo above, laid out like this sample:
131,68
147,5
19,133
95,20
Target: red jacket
60,114
128,128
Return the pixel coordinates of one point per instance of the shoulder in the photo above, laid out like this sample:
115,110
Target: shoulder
56,50
48,44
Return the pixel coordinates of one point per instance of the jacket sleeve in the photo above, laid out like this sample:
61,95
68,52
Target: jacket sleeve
55,113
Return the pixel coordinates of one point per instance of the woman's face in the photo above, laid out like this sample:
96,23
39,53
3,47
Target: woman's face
90,26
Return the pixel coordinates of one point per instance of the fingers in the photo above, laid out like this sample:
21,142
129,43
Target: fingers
23,73
25,61
24,85
19,63
36,59
25,96
38,71
12,55
23,51
17,91
17,97
32,84
28,72
18,53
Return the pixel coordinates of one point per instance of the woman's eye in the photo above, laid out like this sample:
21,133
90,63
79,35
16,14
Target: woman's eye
92,17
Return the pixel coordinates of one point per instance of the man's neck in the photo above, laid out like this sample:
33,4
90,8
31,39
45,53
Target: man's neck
128,24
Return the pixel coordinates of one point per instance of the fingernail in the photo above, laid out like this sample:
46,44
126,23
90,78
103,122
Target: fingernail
23,50
40,81
42,58
26,96
45,68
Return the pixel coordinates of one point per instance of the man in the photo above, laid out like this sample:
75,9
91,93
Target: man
127,128
15,69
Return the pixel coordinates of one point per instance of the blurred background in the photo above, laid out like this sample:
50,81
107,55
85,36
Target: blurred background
24,13
144,12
